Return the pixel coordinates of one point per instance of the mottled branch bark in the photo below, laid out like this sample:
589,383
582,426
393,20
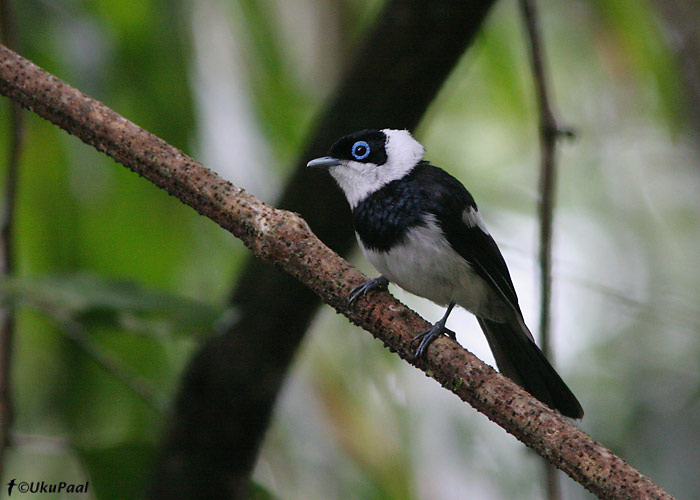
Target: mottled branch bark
284,239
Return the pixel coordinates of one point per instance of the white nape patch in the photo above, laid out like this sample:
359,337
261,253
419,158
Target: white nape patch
358,180
425,264
403,152
472,218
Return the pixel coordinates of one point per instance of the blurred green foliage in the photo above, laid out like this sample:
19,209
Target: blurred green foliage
127,305
104,255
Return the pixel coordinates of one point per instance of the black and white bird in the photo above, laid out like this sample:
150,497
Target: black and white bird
421,229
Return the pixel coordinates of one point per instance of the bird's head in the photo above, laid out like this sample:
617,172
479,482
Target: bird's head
365,161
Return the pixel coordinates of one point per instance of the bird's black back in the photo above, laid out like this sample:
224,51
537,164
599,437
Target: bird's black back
383,218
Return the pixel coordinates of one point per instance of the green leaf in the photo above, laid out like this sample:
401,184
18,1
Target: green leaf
258,492
119,472
640,35
92,300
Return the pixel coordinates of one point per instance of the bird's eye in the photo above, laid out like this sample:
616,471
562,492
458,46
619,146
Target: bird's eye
360,150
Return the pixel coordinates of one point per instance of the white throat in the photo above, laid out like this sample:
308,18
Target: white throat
359,180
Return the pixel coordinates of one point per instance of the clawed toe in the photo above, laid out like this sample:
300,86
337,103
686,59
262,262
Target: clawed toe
426,338
366,287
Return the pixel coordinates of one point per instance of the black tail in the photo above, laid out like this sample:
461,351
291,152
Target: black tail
519,358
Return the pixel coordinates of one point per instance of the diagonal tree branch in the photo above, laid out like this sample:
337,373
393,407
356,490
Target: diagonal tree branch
284,238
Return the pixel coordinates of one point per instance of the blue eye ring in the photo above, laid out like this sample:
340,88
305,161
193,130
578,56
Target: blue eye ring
361,155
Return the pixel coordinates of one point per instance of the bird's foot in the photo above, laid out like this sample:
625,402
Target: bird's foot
366,287
425,338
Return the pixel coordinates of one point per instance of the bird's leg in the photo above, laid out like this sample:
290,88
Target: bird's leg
367,286
432,333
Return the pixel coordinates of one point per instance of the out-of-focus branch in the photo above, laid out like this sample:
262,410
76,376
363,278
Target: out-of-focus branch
284,238
7,315
550,131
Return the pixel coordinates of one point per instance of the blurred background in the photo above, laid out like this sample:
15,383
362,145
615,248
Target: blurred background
117,283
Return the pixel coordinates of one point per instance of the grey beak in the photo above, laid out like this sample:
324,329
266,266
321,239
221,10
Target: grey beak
323,162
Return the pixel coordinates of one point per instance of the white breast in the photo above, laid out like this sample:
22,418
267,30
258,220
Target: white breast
425,264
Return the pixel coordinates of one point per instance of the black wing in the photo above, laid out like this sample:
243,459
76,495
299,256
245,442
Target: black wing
449,199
